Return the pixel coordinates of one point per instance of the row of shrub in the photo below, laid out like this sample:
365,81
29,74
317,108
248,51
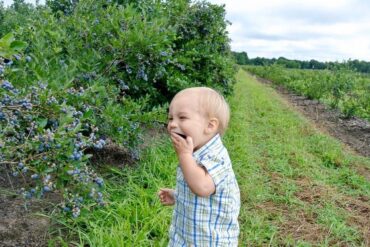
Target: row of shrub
342,89
361,66
72,81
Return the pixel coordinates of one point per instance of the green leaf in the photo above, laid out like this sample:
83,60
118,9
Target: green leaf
9,46
41,122
48,170
88,156
57,49
18,45
4,53
87,114
6,40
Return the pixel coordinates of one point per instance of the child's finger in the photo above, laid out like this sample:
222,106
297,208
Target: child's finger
174,141
163,192
189,140
174,138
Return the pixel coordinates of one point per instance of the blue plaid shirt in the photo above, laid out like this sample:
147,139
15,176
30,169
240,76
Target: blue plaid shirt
213,220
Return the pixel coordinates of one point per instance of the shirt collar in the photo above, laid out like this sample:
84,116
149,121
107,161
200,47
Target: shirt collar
214,143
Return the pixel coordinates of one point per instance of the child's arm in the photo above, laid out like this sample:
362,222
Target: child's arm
167,196
198,179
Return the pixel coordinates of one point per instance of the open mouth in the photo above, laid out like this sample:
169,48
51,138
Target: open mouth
183,136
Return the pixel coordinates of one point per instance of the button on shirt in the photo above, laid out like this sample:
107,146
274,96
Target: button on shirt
213,220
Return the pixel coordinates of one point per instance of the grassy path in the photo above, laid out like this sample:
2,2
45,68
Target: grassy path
298,187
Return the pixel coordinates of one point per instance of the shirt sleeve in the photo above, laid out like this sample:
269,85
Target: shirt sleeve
216,168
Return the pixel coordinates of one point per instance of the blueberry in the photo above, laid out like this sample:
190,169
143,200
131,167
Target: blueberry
99,181
46,188
25,170
20,165
9,63
27,195
7,85
2,116
182,67
66,209
75,212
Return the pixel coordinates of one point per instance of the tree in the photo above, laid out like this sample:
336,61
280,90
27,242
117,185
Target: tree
241,57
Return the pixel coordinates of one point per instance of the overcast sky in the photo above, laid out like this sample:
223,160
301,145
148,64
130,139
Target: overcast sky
325,30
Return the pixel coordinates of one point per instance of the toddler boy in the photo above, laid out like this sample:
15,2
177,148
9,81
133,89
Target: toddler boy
206,197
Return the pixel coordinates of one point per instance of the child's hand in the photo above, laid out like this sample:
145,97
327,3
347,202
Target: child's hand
167,196
182,145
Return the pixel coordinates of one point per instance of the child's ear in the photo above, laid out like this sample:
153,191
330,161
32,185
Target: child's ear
212,127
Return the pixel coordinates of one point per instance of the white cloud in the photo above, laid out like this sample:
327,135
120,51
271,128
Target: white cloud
315,29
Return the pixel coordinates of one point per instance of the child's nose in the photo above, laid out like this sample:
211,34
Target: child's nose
171,124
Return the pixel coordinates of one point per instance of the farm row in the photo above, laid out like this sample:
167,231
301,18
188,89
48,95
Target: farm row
341,89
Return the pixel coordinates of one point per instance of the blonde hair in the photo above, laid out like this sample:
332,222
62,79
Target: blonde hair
213,105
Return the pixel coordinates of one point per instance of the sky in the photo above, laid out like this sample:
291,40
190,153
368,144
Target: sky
325,30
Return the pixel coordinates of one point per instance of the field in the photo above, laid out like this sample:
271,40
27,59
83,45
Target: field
299,187
341,88
303,188
84,93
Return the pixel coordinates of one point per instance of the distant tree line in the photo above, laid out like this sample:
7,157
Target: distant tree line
356,65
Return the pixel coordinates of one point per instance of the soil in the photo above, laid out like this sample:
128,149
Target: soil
23,223
19,223
354,131
358,207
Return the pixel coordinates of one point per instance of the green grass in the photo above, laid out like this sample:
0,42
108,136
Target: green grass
298,186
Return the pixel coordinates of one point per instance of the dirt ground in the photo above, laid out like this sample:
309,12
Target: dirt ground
354,132
20,225
21,222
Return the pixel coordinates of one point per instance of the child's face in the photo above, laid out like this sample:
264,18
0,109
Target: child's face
186,118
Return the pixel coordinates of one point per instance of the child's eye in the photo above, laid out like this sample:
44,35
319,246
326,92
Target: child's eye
182,117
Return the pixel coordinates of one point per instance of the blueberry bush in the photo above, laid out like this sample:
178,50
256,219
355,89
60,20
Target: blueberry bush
341,88
18,13
43,138
76,78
